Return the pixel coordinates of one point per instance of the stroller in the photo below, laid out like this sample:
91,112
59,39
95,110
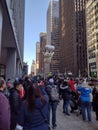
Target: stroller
75,103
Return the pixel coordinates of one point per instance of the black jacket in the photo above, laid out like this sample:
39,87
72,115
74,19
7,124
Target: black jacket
15,101
65,92
95,100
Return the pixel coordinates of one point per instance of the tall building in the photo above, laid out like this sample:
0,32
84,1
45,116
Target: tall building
33,68
68,37
11,37
92,37
43,38
53,33
37,57
73,37
80,14
25,69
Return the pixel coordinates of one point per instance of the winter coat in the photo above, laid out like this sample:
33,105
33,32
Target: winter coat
85,93
15,100
95,100
71,83
48,90
4,113
66,92
15,104
33,120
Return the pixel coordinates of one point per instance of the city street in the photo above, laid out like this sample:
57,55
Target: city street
74,122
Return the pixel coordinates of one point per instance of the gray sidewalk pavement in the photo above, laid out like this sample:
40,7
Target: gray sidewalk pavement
74,122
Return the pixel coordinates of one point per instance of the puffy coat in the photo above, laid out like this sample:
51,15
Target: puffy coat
33,120
15,100
95,100
15,104
66,92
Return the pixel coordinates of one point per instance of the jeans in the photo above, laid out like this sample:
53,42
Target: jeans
67,103
85,105
54,108
63,105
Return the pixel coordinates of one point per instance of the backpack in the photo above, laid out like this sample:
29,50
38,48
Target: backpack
54,95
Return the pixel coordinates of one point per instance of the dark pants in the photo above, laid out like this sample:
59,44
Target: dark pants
96,110
66,104
85,105
13,121
54,108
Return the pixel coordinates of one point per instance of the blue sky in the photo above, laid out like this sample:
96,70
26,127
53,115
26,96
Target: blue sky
35,22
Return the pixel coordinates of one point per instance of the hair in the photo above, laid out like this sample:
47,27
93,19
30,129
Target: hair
16,83
33,93
2,81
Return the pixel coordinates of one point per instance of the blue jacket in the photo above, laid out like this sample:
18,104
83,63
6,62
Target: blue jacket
34,120
85,93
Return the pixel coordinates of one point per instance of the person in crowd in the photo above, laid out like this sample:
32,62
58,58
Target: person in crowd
95,101
71,83
15,102
34,110
84,91
52,91
66,95
4,108
9,84
26,85
8,87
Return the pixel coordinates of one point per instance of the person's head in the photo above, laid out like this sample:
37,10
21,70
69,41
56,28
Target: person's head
2,84
42,83
81,81
85,83
51,81
33,93
9,84
17,85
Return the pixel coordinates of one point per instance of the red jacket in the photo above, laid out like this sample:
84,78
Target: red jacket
72,82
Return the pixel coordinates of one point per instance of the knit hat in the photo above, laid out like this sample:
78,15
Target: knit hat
51,80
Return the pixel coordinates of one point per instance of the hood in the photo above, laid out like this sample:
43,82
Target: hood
51,81
63,87
86,90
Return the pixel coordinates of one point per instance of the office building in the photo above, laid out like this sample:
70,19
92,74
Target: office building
43,38
37,57
53,34
92,37
80,8
73,37
68,37
11,37
33,68
25,69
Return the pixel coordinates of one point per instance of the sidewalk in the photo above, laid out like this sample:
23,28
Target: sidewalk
74,122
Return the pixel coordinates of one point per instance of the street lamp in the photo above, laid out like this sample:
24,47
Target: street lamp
48,54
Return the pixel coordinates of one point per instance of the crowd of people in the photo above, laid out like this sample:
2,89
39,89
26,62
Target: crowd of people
25,103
